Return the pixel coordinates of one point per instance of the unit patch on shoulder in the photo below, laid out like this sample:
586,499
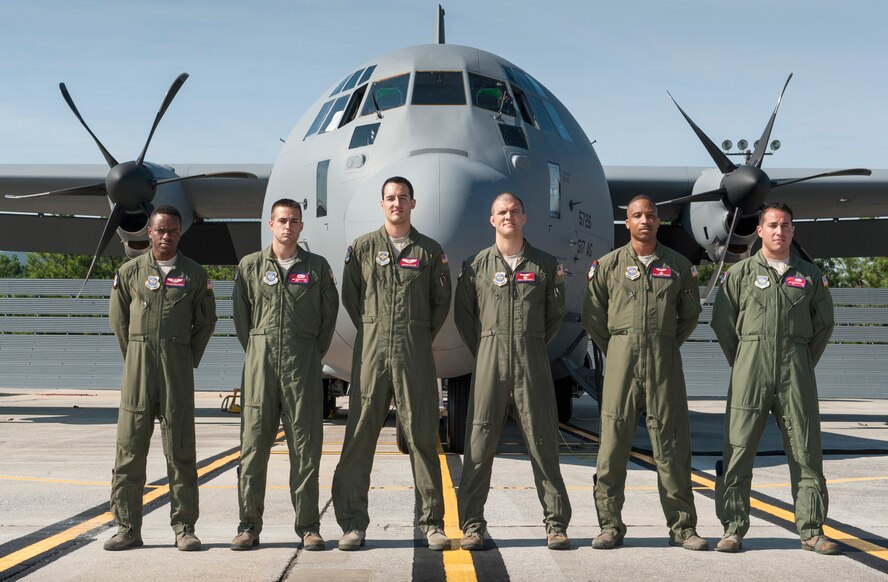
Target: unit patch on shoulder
796,282
383,258
348,254
298,278
633,273
175,282
559,272
444,258
592,270
661,272
271,278
409,263
153,282
762,282
499,279
525,277
825,281
693,271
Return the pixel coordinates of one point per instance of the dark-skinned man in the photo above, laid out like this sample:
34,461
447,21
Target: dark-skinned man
509,304
396,290
642,303
285,306
773,318
163,312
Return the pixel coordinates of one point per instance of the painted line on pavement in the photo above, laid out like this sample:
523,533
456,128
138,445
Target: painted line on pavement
458,563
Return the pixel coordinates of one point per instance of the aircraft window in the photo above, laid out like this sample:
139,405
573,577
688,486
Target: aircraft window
364,135
539,113
554,190
387,94
367,73
352,110
353,80
513,136
322,114
439,88
523,105
556,119
323,170
339,86
332,120
488,93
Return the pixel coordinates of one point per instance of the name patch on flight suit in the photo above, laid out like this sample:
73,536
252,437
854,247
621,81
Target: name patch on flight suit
525,277
592,270
298,278
271,278
661,272
762,282
153,282
409,263
499,279
796,282
632,273
175,282
383,258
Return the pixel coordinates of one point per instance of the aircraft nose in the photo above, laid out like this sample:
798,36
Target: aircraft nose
453,195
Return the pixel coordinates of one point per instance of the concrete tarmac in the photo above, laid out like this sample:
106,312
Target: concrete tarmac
58,451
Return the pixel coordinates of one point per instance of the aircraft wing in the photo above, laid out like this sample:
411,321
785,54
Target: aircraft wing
72,223
818,205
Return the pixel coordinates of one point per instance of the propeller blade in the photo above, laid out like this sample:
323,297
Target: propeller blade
759,153
721,260
801,250
721,160
110,228
168,98
710,196
108,157
97,189
848,172
239,175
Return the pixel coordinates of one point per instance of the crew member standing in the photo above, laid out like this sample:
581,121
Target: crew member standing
163,312
642,303
509,305
773,318
285,306
396,289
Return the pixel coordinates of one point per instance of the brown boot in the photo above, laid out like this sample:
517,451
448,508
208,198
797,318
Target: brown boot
607,540
730,543
557,540
472,541
822,545
123,541
313,542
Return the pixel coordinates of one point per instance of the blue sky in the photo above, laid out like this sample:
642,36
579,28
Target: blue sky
256,67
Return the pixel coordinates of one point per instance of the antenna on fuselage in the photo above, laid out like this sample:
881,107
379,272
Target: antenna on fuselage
439,26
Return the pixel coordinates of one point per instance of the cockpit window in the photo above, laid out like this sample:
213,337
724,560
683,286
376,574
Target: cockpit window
322,114
387,94
439,88
353,80
339,86
332,120
491,94
367,73
531,95
364,135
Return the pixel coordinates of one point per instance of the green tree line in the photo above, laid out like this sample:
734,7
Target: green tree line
64,266
842,272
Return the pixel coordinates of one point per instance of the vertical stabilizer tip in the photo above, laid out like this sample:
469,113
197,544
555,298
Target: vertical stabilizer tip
439,25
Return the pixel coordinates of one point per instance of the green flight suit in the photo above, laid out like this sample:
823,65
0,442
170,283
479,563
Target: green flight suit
506,318
163,326
285,322
398,303
773,331
639,317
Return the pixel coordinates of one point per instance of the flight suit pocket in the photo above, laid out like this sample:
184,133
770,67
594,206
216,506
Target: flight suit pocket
661,443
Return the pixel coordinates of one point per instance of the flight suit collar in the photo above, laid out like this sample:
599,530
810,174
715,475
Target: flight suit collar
152,262
762,261
412,236
527,250
269,256
634,255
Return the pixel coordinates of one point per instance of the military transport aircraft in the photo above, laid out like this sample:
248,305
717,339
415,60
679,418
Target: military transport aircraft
463,125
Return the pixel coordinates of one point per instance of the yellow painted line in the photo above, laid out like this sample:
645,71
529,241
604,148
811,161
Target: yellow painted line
73,532
870,548
458,563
